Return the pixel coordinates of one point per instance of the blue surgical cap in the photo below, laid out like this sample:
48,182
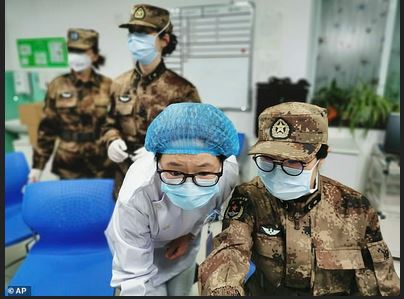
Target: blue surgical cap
192,128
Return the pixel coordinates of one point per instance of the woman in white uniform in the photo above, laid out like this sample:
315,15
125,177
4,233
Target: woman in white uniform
189,170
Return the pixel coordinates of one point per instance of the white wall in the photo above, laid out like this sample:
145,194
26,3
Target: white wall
282,35
284,45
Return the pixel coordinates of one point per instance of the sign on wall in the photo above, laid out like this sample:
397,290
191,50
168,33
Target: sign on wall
42,52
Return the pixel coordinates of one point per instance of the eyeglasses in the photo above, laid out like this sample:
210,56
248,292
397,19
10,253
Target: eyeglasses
201,179
290,167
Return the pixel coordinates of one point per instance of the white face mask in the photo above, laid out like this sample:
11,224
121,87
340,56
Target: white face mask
79,61
287,187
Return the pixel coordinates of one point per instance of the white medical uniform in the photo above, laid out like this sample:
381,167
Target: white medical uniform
145,221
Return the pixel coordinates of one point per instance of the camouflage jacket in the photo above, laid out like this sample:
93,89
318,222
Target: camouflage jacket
136,100
330,243
75,107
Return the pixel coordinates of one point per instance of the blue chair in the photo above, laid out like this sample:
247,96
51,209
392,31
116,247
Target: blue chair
72,256
15,177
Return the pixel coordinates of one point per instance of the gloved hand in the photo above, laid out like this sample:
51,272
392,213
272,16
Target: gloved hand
140,153
34,175
116,151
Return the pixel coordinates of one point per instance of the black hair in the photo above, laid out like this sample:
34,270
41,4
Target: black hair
322,152
100,60
172,44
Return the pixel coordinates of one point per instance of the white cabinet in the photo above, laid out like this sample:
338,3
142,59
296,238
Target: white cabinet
342,162
383,181
390,228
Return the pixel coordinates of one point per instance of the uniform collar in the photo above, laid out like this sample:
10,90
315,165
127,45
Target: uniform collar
161,67
304,204
95,79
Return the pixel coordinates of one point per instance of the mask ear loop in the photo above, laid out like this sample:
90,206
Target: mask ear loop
164,28
316,181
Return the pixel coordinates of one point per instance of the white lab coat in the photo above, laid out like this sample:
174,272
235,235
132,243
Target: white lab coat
144,221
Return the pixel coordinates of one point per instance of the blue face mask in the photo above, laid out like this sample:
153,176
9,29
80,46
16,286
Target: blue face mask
287,187
143,46
189,196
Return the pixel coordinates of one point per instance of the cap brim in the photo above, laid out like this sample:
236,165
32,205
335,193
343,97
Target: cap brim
286,150
78,47
137,22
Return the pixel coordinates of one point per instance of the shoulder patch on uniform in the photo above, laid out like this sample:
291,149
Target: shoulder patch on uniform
236,208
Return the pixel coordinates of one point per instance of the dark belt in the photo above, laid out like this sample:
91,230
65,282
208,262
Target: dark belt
78,137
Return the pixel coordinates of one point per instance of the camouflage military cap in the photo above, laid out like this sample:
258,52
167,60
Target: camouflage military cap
82,39
149,16
291,130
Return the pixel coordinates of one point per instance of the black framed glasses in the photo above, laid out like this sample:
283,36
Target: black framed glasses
290,167
201,179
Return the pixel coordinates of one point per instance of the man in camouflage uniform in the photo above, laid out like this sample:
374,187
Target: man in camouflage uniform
75,108
137,96
321,238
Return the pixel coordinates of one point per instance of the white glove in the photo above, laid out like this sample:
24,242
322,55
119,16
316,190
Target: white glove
116,151
140,153
34,175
